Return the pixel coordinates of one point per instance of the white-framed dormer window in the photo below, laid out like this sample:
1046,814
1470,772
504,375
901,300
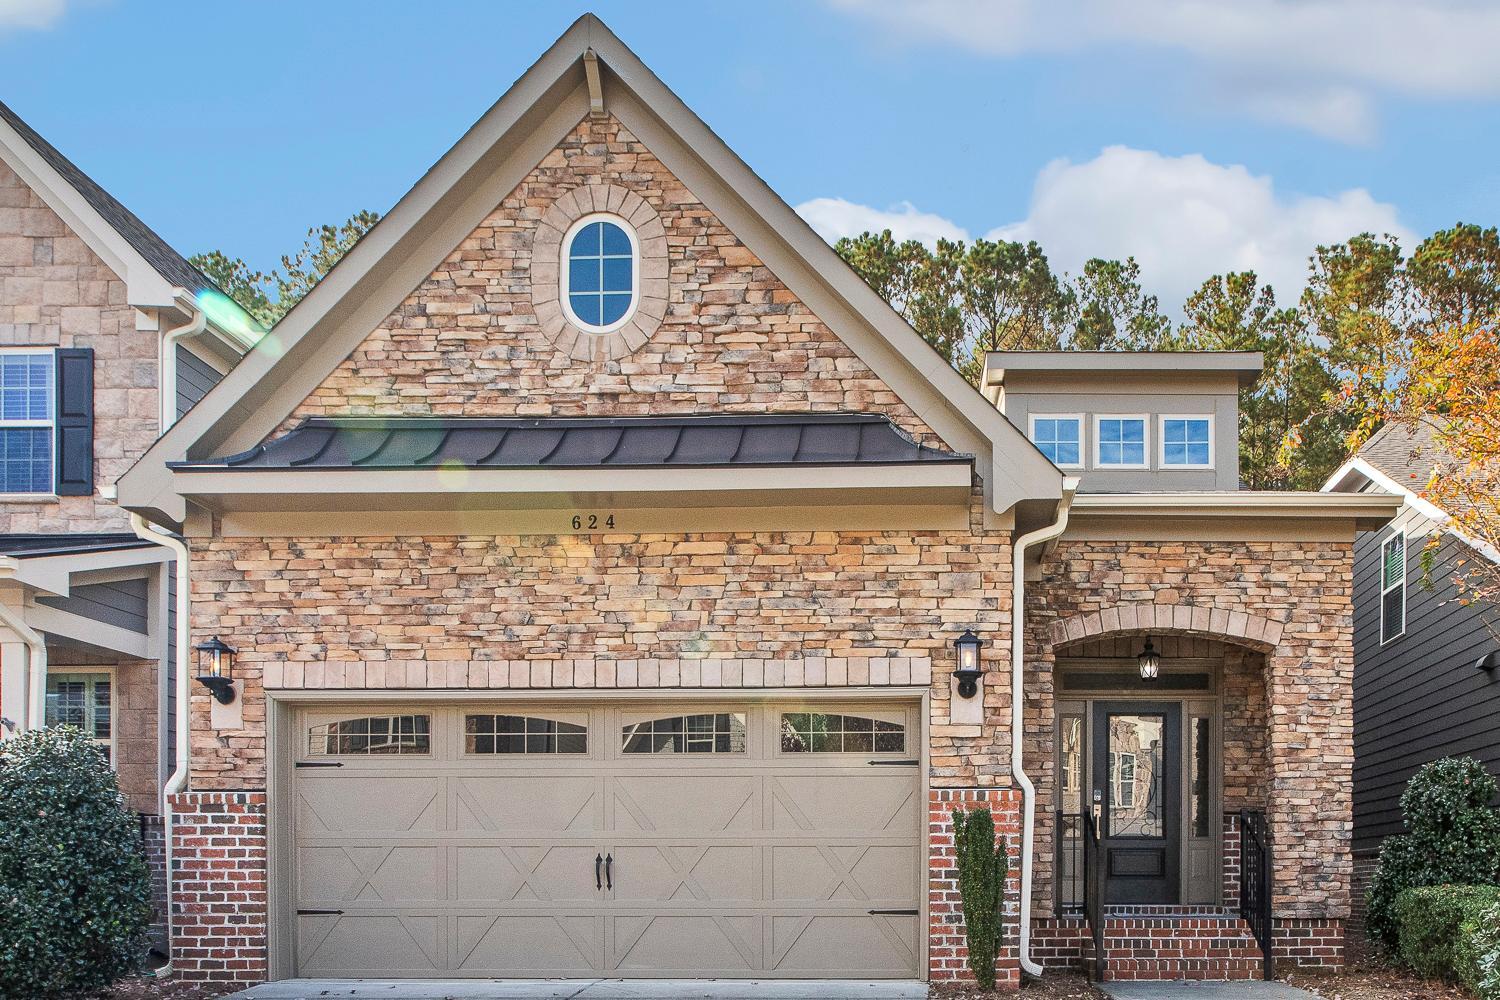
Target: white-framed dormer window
1393,587
601,273
84,698
1120,441
1059,436
28,409
1187,441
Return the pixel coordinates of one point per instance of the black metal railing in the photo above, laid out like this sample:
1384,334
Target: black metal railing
1093,892
1070,862
1255,881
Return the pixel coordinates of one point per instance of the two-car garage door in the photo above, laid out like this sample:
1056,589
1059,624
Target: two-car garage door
622,840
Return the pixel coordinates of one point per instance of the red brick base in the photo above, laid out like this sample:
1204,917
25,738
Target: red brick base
219,887
948,954
1309,943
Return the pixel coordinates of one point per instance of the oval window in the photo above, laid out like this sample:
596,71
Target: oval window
600,273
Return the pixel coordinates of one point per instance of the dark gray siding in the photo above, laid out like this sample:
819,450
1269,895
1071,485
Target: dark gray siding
1418,697
169,727
194,378
122,604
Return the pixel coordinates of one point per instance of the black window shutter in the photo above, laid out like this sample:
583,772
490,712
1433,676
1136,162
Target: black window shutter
75,422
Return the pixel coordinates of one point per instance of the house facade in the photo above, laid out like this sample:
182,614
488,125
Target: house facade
603,564
91,302
1426,665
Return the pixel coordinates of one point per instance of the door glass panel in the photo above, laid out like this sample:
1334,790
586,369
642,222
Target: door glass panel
1198,770
1072,764
522,734
816,732
1136,761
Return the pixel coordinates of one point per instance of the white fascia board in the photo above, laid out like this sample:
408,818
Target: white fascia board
1362,506
1357,467
144,285
53,574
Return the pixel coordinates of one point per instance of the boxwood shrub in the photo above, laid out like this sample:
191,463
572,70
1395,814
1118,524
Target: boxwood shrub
75,889
1452,838
1440,928
1487,948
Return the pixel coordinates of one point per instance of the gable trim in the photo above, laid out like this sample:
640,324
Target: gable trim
476,174
1343,481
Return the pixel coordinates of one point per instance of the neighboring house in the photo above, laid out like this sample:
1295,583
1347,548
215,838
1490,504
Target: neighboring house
1426,667
90,301
598,553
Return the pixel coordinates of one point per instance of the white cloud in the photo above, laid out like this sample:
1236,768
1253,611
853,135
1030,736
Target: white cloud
835,217
1314,64
30,13
1183,218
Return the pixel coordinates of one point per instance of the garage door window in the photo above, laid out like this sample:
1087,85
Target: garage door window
815,732
379,735
723,732
522,734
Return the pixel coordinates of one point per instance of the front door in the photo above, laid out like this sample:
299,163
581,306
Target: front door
1136,763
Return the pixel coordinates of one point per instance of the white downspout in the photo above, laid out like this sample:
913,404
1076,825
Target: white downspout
1018,704
167,365
177,780
36,668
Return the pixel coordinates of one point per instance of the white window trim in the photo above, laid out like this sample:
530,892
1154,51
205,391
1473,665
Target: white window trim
57,669
50,423
1144,418
564,271
1161,433
1393,536
1082,443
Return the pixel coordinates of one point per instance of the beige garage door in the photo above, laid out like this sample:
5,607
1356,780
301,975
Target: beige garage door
722,840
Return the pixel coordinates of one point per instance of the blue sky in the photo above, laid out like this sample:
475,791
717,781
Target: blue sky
1197,135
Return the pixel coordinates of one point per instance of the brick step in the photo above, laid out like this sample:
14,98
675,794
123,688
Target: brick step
1200,947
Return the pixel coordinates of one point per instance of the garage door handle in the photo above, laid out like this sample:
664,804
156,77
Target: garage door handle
893,763
892,913
598,860
609,878
320,913
318,763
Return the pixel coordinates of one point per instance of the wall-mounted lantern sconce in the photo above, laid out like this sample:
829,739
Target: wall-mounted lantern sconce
218,669
968,670
1150,661
1489,661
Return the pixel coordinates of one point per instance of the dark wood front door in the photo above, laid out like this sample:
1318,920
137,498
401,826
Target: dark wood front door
1137,755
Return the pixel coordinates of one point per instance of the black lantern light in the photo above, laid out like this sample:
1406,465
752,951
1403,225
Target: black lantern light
1150,661
968,669
218,667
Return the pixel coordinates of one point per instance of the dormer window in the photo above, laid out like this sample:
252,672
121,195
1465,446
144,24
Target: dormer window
600,273
1187,442
1060,437
1121,442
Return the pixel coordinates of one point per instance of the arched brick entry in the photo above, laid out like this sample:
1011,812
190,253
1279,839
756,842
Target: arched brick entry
1254,631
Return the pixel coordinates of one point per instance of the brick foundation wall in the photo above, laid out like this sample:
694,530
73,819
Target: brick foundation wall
1231,867
1308,943
219,887
947,956
1365,865
154,846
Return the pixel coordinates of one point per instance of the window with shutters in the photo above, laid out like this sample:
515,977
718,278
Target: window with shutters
1393,587
28,407
85,700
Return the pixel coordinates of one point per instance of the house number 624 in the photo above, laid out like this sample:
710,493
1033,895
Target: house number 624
592,522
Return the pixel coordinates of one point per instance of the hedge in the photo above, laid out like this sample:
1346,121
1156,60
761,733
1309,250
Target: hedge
1440,930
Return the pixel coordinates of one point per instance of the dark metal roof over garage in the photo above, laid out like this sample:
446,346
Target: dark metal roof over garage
720,440
37,546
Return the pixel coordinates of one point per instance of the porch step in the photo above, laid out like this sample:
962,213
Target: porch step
1199,946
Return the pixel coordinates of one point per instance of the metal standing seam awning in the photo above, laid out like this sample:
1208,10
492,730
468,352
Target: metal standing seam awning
370,463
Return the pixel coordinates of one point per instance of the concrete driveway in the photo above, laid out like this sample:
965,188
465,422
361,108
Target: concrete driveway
584,989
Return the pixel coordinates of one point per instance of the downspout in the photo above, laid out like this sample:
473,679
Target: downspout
1018,704
36,668
177,780
166,364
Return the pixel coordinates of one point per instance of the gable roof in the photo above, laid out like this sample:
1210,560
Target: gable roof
477,173
96,215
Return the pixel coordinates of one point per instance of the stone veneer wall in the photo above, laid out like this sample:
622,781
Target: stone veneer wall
55,292
1305,589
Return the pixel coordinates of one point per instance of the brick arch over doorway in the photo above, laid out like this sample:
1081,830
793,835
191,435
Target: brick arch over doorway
1254,631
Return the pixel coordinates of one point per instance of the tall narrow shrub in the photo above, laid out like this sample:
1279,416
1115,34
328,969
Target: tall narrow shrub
75,892
982,867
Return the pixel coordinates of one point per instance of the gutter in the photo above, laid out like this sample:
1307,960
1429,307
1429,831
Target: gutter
1018,706
167,365
36,668
177,780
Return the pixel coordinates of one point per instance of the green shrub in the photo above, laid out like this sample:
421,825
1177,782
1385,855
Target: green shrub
1453,838
75,890
1440,928
1487,952
982,867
